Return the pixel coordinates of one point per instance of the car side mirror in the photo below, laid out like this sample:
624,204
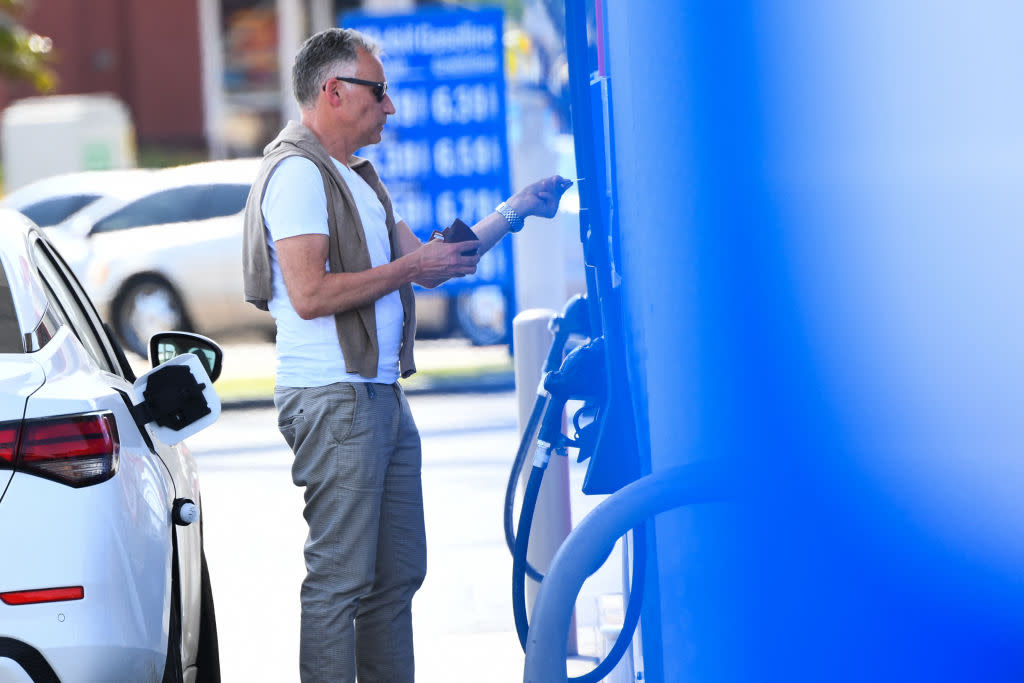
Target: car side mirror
164,346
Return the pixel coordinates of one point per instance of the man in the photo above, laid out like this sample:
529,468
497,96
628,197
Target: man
325,252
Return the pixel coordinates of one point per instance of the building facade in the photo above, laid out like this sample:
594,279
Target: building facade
146,53
200,74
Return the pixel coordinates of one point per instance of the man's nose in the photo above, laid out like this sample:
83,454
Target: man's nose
389,105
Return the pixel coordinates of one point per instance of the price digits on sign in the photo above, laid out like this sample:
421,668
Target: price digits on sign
467,155
471,204
465,103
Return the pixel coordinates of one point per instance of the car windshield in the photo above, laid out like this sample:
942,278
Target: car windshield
177,205
50,212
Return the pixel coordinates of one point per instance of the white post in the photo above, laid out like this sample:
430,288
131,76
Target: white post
321,15
552,519
212,75
388,5
289,37
540,250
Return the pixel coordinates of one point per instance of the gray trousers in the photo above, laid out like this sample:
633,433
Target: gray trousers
357,455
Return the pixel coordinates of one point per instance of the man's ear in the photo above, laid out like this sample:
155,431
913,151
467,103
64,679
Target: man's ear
335,93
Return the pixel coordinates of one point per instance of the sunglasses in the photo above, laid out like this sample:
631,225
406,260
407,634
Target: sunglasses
379,89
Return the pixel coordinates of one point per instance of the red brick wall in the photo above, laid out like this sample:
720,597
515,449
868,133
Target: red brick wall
145,52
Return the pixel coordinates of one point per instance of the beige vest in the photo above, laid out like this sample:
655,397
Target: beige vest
357,328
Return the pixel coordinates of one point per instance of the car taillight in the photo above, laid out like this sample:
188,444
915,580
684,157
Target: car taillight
8,445
77,450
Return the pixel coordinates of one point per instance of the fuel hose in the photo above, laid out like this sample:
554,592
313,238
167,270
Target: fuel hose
550,426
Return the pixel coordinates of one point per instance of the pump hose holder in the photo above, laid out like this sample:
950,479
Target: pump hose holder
589,544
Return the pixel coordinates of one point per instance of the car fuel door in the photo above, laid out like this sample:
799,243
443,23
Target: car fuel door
176,399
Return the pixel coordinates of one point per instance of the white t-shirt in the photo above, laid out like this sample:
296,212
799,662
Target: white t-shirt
308,353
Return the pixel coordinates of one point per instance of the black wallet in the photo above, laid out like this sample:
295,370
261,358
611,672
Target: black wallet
457,232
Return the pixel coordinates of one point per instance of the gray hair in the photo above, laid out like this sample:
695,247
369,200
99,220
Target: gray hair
321,56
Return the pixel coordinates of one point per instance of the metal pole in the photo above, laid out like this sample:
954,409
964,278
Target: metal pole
321,15
212,76
388,5
290,19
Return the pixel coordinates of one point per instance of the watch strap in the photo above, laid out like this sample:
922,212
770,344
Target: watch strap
515,221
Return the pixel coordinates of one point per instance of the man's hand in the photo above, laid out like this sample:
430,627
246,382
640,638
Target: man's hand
540,198
437,261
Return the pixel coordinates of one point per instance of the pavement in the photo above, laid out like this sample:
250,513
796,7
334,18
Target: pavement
451,365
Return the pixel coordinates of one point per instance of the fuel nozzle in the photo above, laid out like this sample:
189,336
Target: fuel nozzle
572,320
580,378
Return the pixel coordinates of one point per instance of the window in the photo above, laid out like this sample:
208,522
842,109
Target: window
223,200
191,203
52,211
10,329
68,298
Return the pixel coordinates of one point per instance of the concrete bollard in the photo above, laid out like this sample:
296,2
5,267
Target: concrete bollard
552,521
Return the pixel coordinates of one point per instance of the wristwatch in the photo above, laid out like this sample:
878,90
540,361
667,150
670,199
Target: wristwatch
515,221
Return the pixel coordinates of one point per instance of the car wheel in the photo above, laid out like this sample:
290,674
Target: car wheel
480,313
147,305
208,659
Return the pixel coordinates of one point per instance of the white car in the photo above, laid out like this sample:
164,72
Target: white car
102,576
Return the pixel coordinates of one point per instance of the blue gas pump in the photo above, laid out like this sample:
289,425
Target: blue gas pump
843,186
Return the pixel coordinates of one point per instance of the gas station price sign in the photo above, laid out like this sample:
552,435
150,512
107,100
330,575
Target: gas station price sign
444,154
